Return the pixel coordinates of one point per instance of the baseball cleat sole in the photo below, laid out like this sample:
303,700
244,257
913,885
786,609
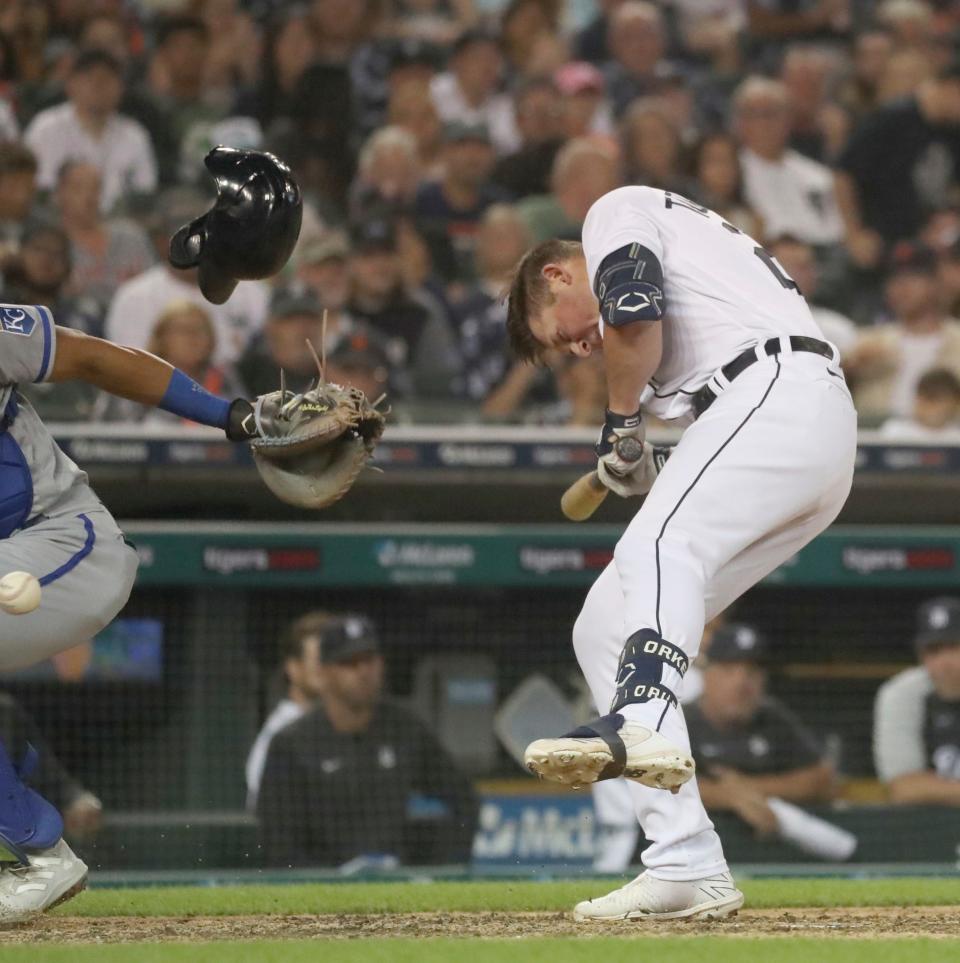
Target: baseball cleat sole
577,762
705,912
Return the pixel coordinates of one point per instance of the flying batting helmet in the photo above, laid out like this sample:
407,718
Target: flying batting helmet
252,228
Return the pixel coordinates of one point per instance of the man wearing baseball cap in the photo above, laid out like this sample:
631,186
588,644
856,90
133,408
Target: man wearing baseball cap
747,745
916,727
359,776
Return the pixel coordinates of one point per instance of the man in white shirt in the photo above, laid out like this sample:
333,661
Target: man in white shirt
791,193
139,302
302,664
468,91
698,325
87,127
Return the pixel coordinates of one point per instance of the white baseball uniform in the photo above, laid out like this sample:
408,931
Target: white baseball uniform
763,470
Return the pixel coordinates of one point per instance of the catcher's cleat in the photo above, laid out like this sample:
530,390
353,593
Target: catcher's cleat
646,897
52,877
609,747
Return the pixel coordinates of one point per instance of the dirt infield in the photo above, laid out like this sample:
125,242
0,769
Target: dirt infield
862,923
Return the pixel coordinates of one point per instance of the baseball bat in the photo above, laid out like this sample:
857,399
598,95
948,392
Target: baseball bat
586,494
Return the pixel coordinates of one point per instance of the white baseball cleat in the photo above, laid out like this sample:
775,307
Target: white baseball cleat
53,876
609,747
646,897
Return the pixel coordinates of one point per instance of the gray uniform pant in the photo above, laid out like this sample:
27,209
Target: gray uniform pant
86,571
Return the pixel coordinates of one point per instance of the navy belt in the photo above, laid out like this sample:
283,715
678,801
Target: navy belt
706,396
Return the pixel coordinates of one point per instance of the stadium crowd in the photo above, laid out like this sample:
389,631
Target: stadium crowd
434,140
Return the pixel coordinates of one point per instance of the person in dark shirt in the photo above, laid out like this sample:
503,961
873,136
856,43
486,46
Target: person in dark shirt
539,113
361,776
448,211
916,729
747,745
901,162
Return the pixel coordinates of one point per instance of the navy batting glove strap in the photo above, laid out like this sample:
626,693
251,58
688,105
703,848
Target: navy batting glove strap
616,427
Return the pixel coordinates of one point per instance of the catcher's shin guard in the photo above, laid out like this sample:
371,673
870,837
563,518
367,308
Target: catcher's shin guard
28,823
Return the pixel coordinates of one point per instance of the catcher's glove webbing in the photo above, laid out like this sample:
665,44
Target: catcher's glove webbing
310,447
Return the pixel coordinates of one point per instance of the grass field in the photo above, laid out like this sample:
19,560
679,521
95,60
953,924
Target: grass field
818,920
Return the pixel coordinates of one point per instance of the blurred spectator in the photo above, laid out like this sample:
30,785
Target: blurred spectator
105,253
287,51
175,86
448,211
916,721
637,43
18,187
719,182
140,301
818,127
412,108
185,335
652,148
235,47
38,274
590,43
525,26
468,91
749,748
339,27
582,173
900,163
585,110
710,31
540,123
80,808
361,776
488,378
388,173
582,389
360,359
300,647
324,266
887,361
800,263
87,127
792,193
296,316
905,70
936,411
420,340
859,92
383,66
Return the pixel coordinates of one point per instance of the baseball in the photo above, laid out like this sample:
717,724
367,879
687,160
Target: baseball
19,593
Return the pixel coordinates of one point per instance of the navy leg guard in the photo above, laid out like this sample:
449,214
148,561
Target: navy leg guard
28,823
607,728
640,675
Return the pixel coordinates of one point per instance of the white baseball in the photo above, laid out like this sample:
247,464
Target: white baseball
19,593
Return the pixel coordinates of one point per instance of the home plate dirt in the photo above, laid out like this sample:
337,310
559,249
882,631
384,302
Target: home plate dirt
862,923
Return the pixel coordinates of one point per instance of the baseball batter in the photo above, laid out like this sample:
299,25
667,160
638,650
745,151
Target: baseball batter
699,325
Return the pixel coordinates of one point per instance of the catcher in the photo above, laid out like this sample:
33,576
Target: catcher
309,448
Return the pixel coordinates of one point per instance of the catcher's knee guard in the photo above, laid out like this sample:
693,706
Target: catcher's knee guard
28,823
252,228
640,673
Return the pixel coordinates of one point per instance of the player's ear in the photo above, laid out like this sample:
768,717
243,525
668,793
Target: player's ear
556,271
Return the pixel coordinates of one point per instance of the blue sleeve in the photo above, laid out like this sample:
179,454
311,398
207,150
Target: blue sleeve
629,286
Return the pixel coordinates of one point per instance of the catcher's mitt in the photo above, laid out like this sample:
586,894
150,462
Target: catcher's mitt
310,447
